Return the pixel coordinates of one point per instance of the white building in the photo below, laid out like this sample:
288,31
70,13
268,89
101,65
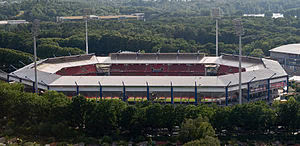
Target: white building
277,15
289,57
254,15
13,22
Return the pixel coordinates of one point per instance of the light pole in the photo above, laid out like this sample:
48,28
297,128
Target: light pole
35,31
86,36
217,15
86,17
239,31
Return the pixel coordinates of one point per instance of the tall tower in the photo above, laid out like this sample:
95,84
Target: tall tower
86,17
35,32
239,31
217,15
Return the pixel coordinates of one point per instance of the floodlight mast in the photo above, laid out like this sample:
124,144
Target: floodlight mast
86,37
239,31
217,15
86,17
35,32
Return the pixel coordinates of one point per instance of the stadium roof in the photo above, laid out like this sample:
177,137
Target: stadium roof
261,69
289,49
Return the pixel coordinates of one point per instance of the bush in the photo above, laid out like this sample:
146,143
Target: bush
195,129
107,139
207,141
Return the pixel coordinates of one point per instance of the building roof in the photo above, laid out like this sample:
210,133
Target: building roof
53,65
289,49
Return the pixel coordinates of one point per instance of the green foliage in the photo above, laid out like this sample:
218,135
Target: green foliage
288,116
251,119
79,109
54,117
193,129
207,141
12,57
108,110
169,34
257,53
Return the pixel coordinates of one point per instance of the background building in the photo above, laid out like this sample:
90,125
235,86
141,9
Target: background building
289,58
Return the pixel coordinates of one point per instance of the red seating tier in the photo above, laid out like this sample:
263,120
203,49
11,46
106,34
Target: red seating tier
89,70
157,69
223,70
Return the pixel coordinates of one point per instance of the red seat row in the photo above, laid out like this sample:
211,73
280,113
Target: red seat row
223,70
157,69
89,70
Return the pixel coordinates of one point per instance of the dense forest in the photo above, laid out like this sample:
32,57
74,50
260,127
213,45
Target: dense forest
53,117
165,34
49,9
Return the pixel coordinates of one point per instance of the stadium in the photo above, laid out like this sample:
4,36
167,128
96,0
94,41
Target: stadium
162,77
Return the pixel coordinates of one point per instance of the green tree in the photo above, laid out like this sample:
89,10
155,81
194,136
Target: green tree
108,110
195,129
12,57
257,53
252,119
154,117
78,110
288,115
207,141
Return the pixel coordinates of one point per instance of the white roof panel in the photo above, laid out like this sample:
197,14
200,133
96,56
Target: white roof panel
290,49
137,81
54,67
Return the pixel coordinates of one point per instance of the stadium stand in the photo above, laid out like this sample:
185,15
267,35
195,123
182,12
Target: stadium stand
157,69
87,70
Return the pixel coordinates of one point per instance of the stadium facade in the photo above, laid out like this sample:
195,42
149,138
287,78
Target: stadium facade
168,76
289,58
